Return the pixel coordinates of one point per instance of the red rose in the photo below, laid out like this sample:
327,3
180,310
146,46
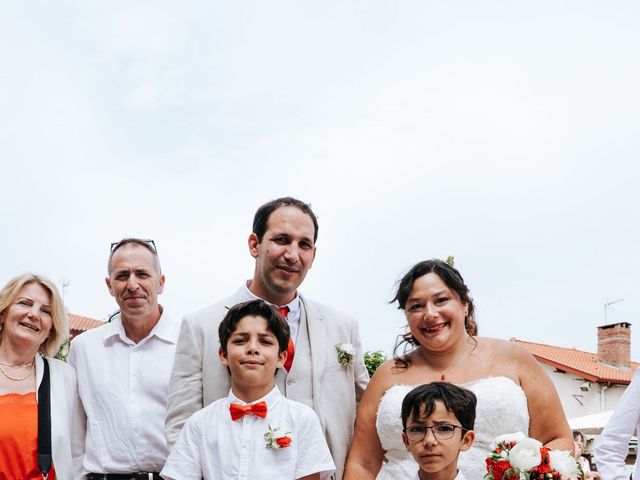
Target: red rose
544,468
545,464
283,442
497,469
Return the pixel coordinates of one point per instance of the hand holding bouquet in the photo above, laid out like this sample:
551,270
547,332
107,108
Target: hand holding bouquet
516,457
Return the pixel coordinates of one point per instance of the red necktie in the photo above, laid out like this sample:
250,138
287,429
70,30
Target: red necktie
284,311
238,411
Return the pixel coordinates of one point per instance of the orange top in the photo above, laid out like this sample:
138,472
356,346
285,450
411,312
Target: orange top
19,437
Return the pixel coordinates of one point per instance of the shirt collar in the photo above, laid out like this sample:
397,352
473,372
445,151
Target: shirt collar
165,330
271,398
248,295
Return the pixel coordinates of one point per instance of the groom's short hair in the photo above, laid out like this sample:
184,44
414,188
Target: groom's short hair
261,218
457,400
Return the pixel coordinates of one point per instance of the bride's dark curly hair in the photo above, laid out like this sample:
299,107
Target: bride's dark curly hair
452,279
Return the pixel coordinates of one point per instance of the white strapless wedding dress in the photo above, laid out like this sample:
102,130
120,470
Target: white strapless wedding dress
502,408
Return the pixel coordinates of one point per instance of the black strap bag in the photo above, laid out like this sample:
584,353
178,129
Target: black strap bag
44,423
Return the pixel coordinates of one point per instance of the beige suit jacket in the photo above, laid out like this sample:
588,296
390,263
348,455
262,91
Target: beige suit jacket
198,378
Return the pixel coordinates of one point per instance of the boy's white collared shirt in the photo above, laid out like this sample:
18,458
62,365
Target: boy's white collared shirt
213,446
459,476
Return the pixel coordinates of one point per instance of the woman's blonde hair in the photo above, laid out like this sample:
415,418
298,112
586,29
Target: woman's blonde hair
59,327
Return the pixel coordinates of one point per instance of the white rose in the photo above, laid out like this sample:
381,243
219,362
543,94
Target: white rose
347,348
564,463
526,454
508,437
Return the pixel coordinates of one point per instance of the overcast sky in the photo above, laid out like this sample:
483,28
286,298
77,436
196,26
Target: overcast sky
504,133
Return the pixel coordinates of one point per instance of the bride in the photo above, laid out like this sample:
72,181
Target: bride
514,393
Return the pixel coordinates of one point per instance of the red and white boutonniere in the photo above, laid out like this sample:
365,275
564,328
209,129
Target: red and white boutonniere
346,352
273,441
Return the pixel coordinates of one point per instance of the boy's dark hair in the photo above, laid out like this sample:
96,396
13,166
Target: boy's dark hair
457,400
256,308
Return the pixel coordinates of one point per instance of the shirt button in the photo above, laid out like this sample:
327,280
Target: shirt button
291,381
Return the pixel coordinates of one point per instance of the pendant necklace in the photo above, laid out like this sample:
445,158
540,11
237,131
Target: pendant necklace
458,360
18,379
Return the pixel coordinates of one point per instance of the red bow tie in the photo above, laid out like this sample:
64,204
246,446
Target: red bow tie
238,411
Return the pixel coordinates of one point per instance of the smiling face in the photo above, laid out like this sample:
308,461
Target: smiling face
252,356
437,457
284,256
135,282
27,321
435,314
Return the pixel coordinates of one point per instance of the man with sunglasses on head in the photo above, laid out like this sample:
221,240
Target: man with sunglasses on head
123,370
324,367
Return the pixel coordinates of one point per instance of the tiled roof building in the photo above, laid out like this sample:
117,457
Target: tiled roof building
579,363
589,383
79,324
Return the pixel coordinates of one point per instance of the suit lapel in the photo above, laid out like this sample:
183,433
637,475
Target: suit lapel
318,346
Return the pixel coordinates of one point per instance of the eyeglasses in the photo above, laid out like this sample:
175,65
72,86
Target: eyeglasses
147,242
416,433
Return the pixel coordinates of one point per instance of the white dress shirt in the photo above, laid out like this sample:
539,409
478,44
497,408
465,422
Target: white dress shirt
459,476
123,388
612,447
293,317
215,447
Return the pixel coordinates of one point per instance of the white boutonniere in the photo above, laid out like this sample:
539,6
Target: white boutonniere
273,441
346,352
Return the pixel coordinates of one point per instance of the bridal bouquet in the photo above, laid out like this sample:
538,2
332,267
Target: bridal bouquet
516,457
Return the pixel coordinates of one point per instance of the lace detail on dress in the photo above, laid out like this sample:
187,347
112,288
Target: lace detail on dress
502,408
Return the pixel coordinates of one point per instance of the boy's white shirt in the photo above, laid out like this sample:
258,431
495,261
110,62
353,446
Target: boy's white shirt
459,476
213,446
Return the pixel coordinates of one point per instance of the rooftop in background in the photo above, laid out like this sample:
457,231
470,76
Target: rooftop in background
579,363
79,324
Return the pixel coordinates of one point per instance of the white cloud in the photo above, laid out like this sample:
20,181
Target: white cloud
504,134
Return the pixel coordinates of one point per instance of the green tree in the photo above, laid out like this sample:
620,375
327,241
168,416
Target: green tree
372,360
63,353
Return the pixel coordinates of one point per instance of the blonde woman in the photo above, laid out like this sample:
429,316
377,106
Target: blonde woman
33,325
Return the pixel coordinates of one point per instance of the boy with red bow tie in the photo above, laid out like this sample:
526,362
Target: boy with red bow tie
254,433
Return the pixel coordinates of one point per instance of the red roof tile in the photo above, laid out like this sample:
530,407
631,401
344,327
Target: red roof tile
78,323
579,363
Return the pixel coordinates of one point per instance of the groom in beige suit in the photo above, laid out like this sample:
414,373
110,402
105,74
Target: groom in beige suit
285,231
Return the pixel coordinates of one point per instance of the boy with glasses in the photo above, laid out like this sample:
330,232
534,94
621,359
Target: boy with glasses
437,424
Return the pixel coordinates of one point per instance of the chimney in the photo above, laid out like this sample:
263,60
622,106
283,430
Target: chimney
614,345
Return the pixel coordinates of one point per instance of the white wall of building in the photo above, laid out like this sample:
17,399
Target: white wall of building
576,402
